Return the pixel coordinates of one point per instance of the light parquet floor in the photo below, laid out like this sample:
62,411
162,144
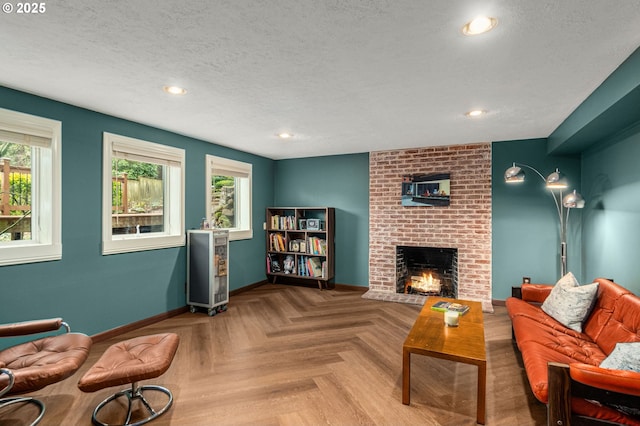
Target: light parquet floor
287,355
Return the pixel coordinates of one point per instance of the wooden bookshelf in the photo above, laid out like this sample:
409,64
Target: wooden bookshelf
300,244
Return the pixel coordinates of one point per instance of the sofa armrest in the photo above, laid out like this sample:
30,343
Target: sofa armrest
621,381
609,387
559,404
535,293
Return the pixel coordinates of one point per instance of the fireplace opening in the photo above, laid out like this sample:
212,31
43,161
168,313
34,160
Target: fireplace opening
428,271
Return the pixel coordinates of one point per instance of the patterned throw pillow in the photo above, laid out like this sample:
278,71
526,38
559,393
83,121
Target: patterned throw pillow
569,280
625,356
570,303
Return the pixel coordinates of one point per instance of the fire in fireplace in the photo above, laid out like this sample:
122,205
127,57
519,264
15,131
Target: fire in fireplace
428,271
423,284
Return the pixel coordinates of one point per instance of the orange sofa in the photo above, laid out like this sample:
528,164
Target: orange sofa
562,364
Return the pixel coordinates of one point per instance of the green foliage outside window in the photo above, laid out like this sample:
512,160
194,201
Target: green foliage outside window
116,196
135,169
220,181
19,155
20,190
19,182
223,203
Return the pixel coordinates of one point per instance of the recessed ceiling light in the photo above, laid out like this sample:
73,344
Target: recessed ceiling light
475,113
285,135
174,90
479,25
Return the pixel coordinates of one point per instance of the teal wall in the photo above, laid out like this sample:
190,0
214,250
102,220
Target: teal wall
525,222
603,135
335,181
611,182
605,131
95,293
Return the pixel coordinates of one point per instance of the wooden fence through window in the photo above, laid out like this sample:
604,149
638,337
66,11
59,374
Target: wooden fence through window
14,202
6,205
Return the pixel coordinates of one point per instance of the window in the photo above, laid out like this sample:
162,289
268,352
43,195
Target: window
30,188
142,195
229,196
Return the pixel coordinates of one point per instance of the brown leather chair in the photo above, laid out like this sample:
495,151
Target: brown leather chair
32,365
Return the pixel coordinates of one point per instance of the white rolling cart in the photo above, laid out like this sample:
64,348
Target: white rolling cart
208,270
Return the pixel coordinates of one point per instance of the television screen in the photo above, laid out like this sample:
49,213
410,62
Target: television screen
426,189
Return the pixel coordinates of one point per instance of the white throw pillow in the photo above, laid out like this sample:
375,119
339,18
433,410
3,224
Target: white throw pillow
625,356
570,303
569,280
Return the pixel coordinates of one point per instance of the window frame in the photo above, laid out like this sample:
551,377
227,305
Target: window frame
238,169
173,234
46,193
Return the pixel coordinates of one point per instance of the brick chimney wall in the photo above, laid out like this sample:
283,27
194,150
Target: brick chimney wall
465,224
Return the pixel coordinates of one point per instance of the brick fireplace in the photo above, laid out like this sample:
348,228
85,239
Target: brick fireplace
464,225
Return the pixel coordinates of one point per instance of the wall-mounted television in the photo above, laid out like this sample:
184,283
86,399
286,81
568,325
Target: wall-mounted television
432,189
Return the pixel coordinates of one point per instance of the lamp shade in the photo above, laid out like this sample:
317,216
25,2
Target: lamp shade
573,200
514,174
556,180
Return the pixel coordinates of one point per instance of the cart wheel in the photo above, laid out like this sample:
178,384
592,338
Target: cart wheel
211,312
192,309
223,308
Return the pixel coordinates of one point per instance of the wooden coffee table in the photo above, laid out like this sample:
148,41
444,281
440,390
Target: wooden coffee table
430,336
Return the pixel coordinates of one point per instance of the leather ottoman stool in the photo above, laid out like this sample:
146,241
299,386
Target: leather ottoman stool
129,362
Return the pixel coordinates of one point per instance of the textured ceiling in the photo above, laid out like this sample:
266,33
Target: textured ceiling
343,76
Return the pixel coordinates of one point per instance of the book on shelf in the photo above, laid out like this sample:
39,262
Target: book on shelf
277,242
302,266
317,246
315,267
283,222
443,306
310,267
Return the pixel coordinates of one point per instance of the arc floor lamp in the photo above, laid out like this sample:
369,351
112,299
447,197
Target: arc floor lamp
556,182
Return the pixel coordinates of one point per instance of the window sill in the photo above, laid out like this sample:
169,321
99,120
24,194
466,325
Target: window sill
240,234
29,253
141,243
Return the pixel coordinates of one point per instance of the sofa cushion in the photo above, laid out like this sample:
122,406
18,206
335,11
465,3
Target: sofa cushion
578,347
623,325
570,303
598,325
520,308
535,358
625,356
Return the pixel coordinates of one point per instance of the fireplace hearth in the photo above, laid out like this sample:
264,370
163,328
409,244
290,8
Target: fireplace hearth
427,271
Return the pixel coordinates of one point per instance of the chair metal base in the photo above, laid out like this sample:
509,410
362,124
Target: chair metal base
135,393
5,402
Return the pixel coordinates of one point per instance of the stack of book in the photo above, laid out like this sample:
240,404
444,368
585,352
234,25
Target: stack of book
283,222
277,242
443,306
317,245
310,266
